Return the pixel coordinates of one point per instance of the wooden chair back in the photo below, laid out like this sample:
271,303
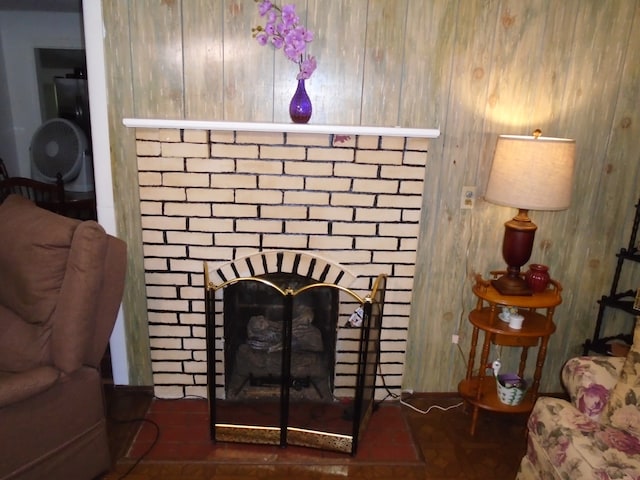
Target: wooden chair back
50,196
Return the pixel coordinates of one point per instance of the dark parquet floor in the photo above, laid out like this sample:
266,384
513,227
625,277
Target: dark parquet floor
442,439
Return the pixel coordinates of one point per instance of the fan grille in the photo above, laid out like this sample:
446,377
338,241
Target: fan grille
57,147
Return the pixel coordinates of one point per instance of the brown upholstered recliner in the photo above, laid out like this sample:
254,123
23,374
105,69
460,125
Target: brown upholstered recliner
61,283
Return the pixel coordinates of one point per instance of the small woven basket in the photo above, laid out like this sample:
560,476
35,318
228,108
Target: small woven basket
511,388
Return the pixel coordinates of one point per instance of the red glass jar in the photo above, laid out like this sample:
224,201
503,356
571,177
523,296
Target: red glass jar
537,277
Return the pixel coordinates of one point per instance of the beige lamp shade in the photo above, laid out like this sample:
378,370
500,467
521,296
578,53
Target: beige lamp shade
532,173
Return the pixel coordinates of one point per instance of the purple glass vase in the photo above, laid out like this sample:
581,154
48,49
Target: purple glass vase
300,106
537,277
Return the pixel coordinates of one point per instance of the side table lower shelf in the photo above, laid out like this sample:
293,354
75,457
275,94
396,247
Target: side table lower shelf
488,398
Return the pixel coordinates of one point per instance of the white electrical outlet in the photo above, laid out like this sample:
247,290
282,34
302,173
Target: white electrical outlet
455,338
468,198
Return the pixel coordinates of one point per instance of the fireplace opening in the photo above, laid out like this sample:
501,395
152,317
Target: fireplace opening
283,367
254,322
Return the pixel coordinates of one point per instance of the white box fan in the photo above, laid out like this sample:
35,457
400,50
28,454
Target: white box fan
60,146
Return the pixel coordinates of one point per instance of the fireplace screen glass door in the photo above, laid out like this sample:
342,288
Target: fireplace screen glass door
272,361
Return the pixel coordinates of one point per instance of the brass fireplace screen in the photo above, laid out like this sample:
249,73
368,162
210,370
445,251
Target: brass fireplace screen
276,361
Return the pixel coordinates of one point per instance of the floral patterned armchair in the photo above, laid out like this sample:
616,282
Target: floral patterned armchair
597,435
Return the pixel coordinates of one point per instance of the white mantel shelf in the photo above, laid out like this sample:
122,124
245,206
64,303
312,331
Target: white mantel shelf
282,127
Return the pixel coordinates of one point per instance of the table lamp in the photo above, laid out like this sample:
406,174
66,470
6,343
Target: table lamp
528,173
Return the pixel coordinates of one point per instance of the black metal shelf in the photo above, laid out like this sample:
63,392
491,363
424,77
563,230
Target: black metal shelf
619,300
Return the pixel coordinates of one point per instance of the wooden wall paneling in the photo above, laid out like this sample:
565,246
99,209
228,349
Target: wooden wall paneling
602,33
384,58
339,46
203,38
156,46
426,88
125,188
248,67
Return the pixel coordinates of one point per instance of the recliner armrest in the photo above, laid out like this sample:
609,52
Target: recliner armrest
589,381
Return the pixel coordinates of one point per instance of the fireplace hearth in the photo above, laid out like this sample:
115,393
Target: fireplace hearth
272,352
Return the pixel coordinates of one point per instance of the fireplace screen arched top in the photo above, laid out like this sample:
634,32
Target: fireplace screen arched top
277,340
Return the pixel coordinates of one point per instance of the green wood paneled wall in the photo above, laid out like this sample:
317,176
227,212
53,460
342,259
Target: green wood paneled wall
473,68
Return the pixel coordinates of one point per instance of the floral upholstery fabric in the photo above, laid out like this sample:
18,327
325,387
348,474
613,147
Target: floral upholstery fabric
623,408
571,440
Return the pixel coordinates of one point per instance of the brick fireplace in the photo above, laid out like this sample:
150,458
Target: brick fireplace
215,193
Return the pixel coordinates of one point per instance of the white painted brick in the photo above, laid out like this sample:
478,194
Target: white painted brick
210,195
355,171
167,367
392,143
259,197
402,172
195,367
155,263
190,238
194,343
412,187
285,241
282,153
260,138
193,150
172,379
318,169
174,179
147,179
169,135
411,216
378,214
331,154
147,134
170,305
375,186
210,165
194,318
354,228
331,213
227,239
169,331
199,391
163,223
161,292
344,141
150,208
211,224
196,136
284,211
408,201
169,354
161,164
369,243
273,167
233,151
408,244
166,251
281,182
379,157
418,143
398,229
165,343
187,209
353,199
328,184
232,181
147,149
415,158
162,193
329,243
221,136
162,317
152,236
273,226
306,139
306,198
368,141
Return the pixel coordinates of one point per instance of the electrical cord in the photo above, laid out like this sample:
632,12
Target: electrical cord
437,407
